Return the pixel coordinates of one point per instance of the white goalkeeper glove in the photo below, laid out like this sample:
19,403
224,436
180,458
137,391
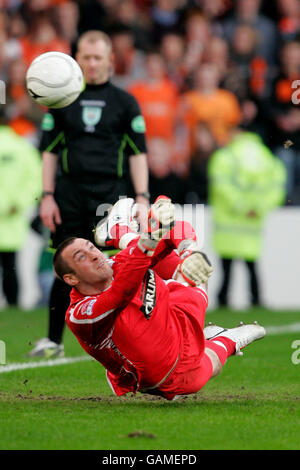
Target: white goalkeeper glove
119,227
161,219
195,267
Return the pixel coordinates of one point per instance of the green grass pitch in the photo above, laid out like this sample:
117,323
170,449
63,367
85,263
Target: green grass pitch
253,404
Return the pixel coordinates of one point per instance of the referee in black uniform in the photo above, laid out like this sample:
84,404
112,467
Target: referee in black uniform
91,150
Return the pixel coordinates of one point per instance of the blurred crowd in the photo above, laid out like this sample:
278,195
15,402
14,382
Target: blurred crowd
200,69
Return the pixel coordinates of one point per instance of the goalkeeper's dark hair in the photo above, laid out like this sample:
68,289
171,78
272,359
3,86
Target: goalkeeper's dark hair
60,266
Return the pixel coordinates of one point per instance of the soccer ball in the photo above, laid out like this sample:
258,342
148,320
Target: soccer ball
54,79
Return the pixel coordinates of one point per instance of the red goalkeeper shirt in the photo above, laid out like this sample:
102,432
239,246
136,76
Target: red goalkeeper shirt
133,328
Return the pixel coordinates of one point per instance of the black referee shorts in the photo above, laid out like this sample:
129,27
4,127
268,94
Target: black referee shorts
83,204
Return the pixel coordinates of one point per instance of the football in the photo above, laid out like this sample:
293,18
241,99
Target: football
54,79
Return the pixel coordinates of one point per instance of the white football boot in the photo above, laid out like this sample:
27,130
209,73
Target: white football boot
123,214
243,335
212,330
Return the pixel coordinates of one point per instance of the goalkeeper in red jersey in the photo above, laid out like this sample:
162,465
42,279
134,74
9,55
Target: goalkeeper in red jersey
141,314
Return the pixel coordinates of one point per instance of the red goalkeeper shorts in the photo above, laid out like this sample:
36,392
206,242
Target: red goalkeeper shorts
194,368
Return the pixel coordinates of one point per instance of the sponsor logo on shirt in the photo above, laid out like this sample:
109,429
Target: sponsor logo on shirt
87,309
148,294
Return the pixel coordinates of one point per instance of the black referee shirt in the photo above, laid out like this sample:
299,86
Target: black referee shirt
95,135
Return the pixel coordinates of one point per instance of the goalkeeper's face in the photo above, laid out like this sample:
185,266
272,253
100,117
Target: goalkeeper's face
90,268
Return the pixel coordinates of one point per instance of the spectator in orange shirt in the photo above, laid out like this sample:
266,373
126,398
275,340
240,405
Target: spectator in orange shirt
42,38
208,103
23,112
158,98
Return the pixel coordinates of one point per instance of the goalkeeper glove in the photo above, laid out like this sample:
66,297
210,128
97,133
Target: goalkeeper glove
195,267
161,219
119,227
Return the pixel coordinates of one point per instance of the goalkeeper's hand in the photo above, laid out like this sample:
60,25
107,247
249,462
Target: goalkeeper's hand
195,267
161,219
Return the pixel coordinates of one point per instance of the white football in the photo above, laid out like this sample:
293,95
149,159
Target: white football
54,79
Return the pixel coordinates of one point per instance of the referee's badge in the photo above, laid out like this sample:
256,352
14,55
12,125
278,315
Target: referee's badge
91,115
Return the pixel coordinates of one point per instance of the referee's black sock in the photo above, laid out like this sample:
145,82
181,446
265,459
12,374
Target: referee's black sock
58,305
